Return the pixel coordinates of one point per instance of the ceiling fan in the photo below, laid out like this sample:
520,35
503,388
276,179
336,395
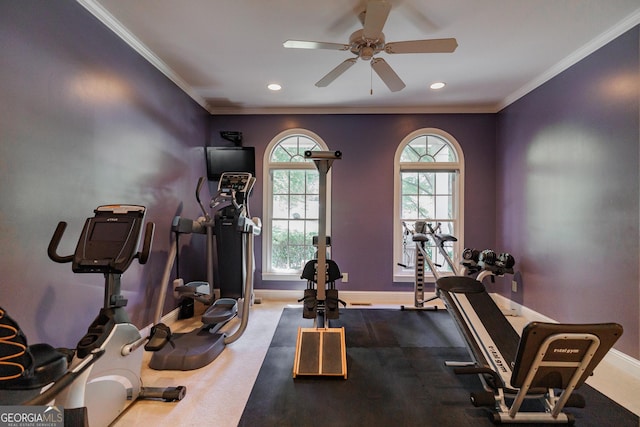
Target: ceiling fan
369,41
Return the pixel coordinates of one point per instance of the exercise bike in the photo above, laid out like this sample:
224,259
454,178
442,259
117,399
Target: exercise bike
103,375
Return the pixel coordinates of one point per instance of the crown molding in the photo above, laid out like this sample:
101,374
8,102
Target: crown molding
611,34
97,10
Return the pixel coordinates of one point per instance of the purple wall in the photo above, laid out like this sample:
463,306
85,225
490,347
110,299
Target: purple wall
84,121
568,185
362,204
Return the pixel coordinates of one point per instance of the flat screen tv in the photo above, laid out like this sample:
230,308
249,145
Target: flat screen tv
229,159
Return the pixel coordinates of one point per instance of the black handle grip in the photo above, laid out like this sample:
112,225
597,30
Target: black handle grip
201,182
143,256
52,250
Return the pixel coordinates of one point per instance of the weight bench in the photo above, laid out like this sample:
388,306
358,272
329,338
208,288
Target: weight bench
545,365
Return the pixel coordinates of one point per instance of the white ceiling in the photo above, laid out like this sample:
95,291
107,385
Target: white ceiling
223,53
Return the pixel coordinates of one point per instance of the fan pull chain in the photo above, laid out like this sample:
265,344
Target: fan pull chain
370,79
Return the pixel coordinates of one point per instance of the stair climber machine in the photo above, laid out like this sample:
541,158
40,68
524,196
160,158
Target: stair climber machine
100,378
481,264
321,350
232,232
421,233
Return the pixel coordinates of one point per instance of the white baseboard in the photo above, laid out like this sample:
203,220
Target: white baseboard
171,316
351,297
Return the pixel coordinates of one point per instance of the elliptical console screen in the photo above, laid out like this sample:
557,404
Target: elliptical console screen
237,181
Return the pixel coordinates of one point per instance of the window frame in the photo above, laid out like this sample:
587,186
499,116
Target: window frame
267,205
407,275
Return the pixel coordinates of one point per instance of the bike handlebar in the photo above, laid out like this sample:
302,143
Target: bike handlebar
52,250
143,256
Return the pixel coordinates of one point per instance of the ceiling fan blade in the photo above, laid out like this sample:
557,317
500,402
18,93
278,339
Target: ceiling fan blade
422,46
336,72
375,18
301,44
386,73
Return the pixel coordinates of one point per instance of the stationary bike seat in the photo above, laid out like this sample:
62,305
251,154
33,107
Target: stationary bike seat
49,365
221,311
26,367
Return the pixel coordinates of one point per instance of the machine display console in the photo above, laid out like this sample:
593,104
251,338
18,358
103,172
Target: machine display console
109,240
235,181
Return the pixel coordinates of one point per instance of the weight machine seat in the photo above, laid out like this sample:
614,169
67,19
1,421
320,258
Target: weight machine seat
460,284
572,343
309,271
548,357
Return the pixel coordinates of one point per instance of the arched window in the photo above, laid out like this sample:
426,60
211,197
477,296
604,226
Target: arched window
429,177
291,204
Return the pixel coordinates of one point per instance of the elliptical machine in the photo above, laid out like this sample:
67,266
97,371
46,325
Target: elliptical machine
104,371
233,232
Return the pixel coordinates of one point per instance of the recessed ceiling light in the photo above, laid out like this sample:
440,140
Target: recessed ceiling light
437,85
274,86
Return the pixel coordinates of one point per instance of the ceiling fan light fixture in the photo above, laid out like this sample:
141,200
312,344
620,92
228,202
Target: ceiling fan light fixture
274,87
366,53
437,85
